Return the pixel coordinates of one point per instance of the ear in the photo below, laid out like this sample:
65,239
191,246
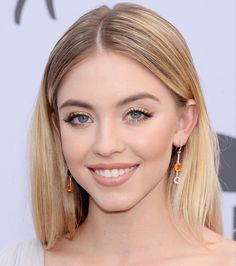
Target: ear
188,118
55,123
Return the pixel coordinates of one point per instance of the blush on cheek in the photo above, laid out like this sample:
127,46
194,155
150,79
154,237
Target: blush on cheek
154,148
75,148
70,148
153,141
69,152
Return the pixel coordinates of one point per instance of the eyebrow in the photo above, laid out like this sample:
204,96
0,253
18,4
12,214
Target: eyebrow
131,98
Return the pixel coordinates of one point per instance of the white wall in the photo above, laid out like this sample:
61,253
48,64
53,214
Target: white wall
209,28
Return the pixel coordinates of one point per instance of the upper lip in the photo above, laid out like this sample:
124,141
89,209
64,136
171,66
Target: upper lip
111,166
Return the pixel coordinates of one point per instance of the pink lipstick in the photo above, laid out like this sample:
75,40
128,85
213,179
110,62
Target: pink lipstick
112,174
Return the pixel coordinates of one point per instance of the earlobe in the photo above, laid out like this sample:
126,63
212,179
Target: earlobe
187,122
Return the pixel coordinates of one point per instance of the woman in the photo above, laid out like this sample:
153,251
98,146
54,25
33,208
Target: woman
124,160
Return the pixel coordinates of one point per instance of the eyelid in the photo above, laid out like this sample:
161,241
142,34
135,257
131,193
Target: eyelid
73,115
138,108
69,118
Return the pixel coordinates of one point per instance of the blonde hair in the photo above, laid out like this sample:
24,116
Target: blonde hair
143,35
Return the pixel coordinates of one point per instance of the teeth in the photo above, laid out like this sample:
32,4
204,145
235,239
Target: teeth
114,172
122,171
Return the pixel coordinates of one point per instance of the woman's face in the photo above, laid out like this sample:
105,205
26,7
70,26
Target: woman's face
118,123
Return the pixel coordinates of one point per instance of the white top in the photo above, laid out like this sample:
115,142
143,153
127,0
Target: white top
27,253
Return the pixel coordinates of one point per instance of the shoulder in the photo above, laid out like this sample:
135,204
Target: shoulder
26,253
227,252
223,250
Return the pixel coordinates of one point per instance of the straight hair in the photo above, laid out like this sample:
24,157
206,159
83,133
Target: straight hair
143,35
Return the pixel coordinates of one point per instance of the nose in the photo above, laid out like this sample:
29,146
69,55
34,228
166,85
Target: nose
108,140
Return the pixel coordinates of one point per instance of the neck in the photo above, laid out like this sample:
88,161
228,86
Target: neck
146,226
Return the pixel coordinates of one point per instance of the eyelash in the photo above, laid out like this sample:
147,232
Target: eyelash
147,115
71,117
142,111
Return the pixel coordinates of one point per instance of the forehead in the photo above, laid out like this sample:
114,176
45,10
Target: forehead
109,76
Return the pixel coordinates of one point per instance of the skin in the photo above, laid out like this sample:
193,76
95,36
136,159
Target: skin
116,231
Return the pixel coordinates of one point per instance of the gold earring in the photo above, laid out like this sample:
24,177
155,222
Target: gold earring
69,187
178,167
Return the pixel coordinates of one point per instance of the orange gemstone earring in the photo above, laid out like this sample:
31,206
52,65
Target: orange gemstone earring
69,187
178,167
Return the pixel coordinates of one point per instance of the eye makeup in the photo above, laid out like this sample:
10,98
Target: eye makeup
134,111
77,119
134,114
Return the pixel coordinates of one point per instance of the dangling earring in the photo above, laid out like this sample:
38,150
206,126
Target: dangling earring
178,167
69,187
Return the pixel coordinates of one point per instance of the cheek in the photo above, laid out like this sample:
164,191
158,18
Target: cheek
74,147
154,147
154,141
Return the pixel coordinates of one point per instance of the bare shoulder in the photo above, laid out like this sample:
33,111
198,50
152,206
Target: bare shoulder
223,250
228,250
57,254
64,252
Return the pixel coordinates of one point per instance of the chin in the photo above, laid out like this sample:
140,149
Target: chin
115,206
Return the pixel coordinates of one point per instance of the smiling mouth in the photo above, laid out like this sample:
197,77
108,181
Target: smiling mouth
113,173
113,177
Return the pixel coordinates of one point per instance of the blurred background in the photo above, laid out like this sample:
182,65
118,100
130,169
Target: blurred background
29,29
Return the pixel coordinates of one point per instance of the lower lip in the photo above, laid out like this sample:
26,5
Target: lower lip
114,181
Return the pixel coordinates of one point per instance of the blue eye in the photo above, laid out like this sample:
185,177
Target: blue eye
82,118
138,114
79,119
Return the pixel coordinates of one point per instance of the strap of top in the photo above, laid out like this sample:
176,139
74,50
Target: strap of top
27,253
